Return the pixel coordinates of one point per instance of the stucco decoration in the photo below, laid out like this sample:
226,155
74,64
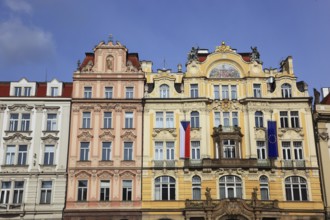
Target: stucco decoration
130,67
108,107
3,107
85,136
290,133
82,174
223,48
260,133
128,136
107,135
324,136
224,70
105,175
17,137
23,107
164,133
50,138
195,133
232,207
127,174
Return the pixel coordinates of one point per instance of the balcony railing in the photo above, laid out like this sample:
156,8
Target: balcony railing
214,163
293,163
226,129
164,163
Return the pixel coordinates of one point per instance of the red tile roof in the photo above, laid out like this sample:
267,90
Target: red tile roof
326,100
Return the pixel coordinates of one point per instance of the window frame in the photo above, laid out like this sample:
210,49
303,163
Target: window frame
195,150
196,187
128,150
106,151
257,90
259,119
286,90
129,116
88,92
108,92
194,119
164,91
86,120
291,187
107,120
84,151
127,190
105,190
129,92
47,191
165,188
194,90
82,191
236,186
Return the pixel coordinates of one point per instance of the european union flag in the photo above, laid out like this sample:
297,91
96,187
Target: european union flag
272,140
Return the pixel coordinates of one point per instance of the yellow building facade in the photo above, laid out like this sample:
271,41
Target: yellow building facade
229,172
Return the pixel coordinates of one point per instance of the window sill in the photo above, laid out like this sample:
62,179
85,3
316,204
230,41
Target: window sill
195,128
107,128
18,131
15,165
51,131
85,128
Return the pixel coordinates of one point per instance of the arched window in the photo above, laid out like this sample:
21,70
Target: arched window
164,188
264,190
286,90
196,188
259,119
230,187
194,118
164,91
296,188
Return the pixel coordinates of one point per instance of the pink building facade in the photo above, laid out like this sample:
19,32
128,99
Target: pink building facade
104,162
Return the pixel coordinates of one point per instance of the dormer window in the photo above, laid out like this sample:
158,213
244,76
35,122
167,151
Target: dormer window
22,91
18,91
286,90
164,91
54,91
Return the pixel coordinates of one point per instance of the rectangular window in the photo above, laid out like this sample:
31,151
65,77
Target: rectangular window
128,150
216,92
86,120
159,120
261,150
105,190
13,122
5,192
225,92
286,150
27,91
193,90
129,92
107,121
127,190
229,149
284,119
235,118
170,150
169,119
49,155
257,90
84,151
106,150
217,120
194,118
10,155
18,91
226,119
46,192
82,190
108,92
18,192
159,150
51,122
298,150
233,89
87,92
195,150
22,154
128,119
25,123
54,91
294,119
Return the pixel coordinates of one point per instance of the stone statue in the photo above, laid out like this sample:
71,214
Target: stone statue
255,194
208,194
110,63
317,96
193,54
255,55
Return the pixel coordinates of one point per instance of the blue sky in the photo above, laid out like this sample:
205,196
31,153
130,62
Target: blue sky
39,37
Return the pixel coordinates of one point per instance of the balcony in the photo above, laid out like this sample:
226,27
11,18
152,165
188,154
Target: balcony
223,163
164,163
293,163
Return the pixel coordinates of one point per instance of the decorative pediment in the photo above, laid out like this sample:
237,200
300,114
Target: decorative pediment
128,136
223,48
85,136
50,138
164,133
16,107
127,174
17,137
83,174
105,175
107,135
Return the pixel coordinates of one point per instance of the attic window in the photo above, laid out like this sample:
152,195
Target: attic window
164,91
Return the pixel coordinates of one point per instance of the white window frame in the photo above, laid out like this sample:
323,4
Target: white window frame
129,119
217,119
86,120
286,90
225,91
257,90
107,120
196,187
170,150
195,150
106,150
129,91
108,92
233,92
50,152
84,151
46,192
164,91
216,91
128,150
261,150
168,183
51,124
82,194
194,119
105,190
264,188
230,183
194,90
87,92
127,190
229,149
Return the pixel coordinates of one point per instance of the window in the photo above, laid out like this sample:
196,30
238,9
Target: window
22,155
128,119
234,118
230,187
51,122
46,192
9,195
217,120
18,91
108,92
228,148
25,123
21,152
87,92
170,150
226,119
5,192
164,91
159,120
159,150
18,192
284,119
27,91
225,92
129,92
286,90
164,188
257,90
106,151
13,122
10,155
21,121
298,150
195,150
233,89
127,190
261,150
107,120
259,119
196,188
216,92
294,119
49,155
296,189
82,190
54,91
193,90
128,150
86,120
264,190
105,190
194,118
84,151
286,150
169,119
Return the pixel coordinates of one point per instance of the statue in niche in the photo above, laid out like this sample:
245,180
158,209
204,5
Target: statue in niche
255,55
110,63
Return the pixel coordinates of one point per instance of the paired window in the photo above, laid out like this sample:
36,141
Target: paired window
11,192
127,190
164,188
264,189
169,149
228,119
195,150
259,119
19,122
107,120
22,91
16,155
229,149
193,90
49,155
128,119
230,187
84,151
87,92
54,91
164,91
296,189
196,188
106,150
129,92
169,117
294,119
257,90
194,119
105,190
108,92
128,150
261,150
82,190
51,122
286,90
86,122
297,150
46,192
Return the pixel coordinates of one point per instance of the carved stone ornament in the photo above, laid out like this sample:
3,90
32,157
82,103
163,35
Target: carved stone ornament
83,174
85,136
16,107
50,138
163,132
324,136
52,108
107,135
223,48
130,67
105,175
127,174
290,133
233,208
17,137
108,107
128,136
3,107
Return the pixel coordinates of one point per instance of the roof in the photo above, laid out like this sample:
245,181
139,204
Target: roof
326,100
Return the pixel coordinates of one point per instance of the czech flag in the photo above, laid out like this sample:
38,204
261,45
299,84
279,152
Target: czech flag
185,139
